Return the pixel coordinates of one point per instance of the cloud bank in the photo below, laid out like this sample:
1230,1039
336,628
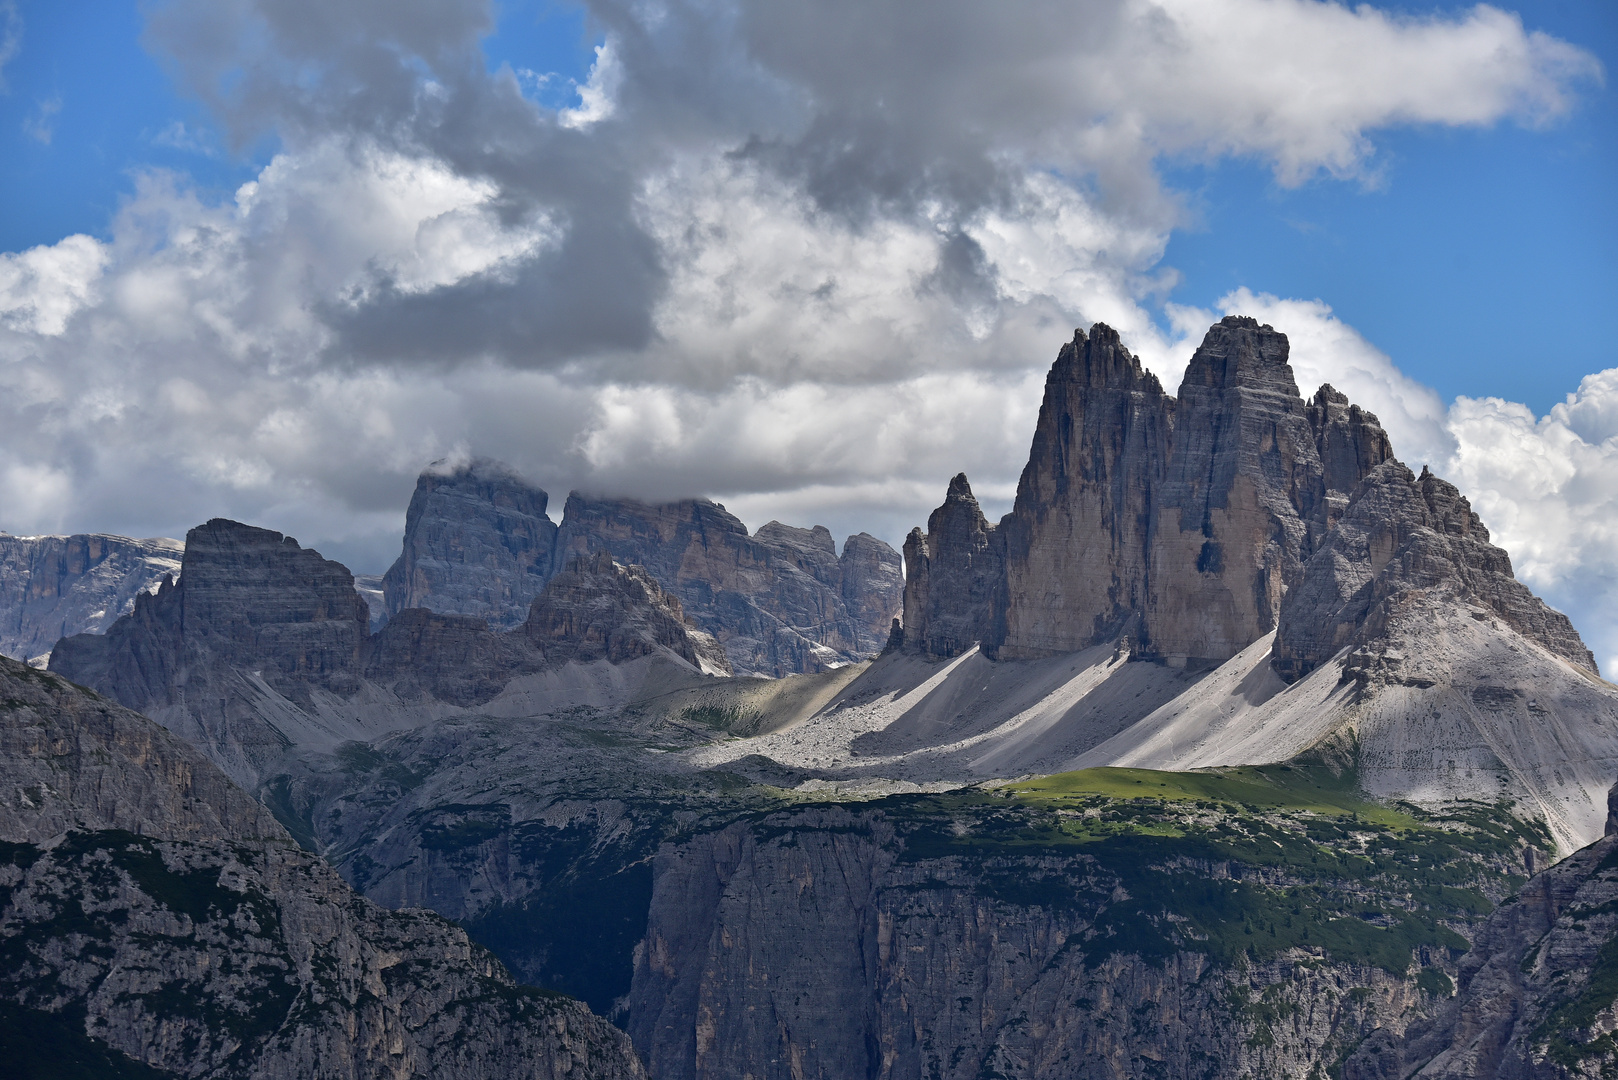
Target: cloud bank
810,259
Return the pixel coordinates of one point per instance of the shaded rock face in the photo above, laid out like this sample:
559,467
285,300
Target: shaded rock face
1186,523
477,542
834,942
248,598
421,655
952,573
175,930
599,610
1535,1000
873,585
56,586
1400,537
1078,540
262,645
780,601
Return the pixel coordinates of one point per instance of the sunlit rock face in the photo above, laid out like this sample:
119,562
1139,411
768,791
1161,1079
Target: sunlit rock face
1078,541
56,586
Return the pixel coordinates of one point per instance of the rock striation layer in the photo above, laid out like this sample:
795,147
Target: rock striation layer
56,586
476,542
156,921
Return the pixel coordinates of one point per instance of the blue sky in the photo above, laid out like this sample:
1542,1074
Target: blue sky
1485,261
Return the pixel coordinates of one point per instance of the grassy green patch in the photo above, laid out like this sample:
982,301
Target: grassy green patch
1316,789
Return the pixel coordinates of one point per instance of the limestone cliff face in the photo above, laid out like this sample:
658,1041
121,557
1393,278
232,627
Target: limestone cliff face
248,598
55,586
1178,521
175,930
1400,538
1536,999
834,942
477,542
873,584
254,617
1242,481
1078,541
599,610
952,573
777,600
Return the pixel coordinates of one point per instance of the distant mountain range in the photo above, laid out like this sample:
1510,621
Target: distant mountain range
1210,758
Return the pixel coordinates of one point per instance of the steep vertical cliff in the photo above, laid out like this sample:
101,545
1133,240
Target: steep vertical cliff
1177,521
1078,541
55,586
1243,476
477,542
977,936
254,617
952,573
873,583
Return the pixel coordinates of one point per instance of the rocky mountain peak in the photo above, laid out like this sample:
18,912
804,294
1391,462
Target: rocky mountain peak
1403,544
253,597
1098,360
780,600
1076,542
1237,352
1185,522
951,573
477,542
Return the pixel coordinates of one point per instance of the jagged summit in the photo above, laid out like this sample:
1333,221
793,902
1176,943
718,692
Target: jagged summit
1181,521
780,600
